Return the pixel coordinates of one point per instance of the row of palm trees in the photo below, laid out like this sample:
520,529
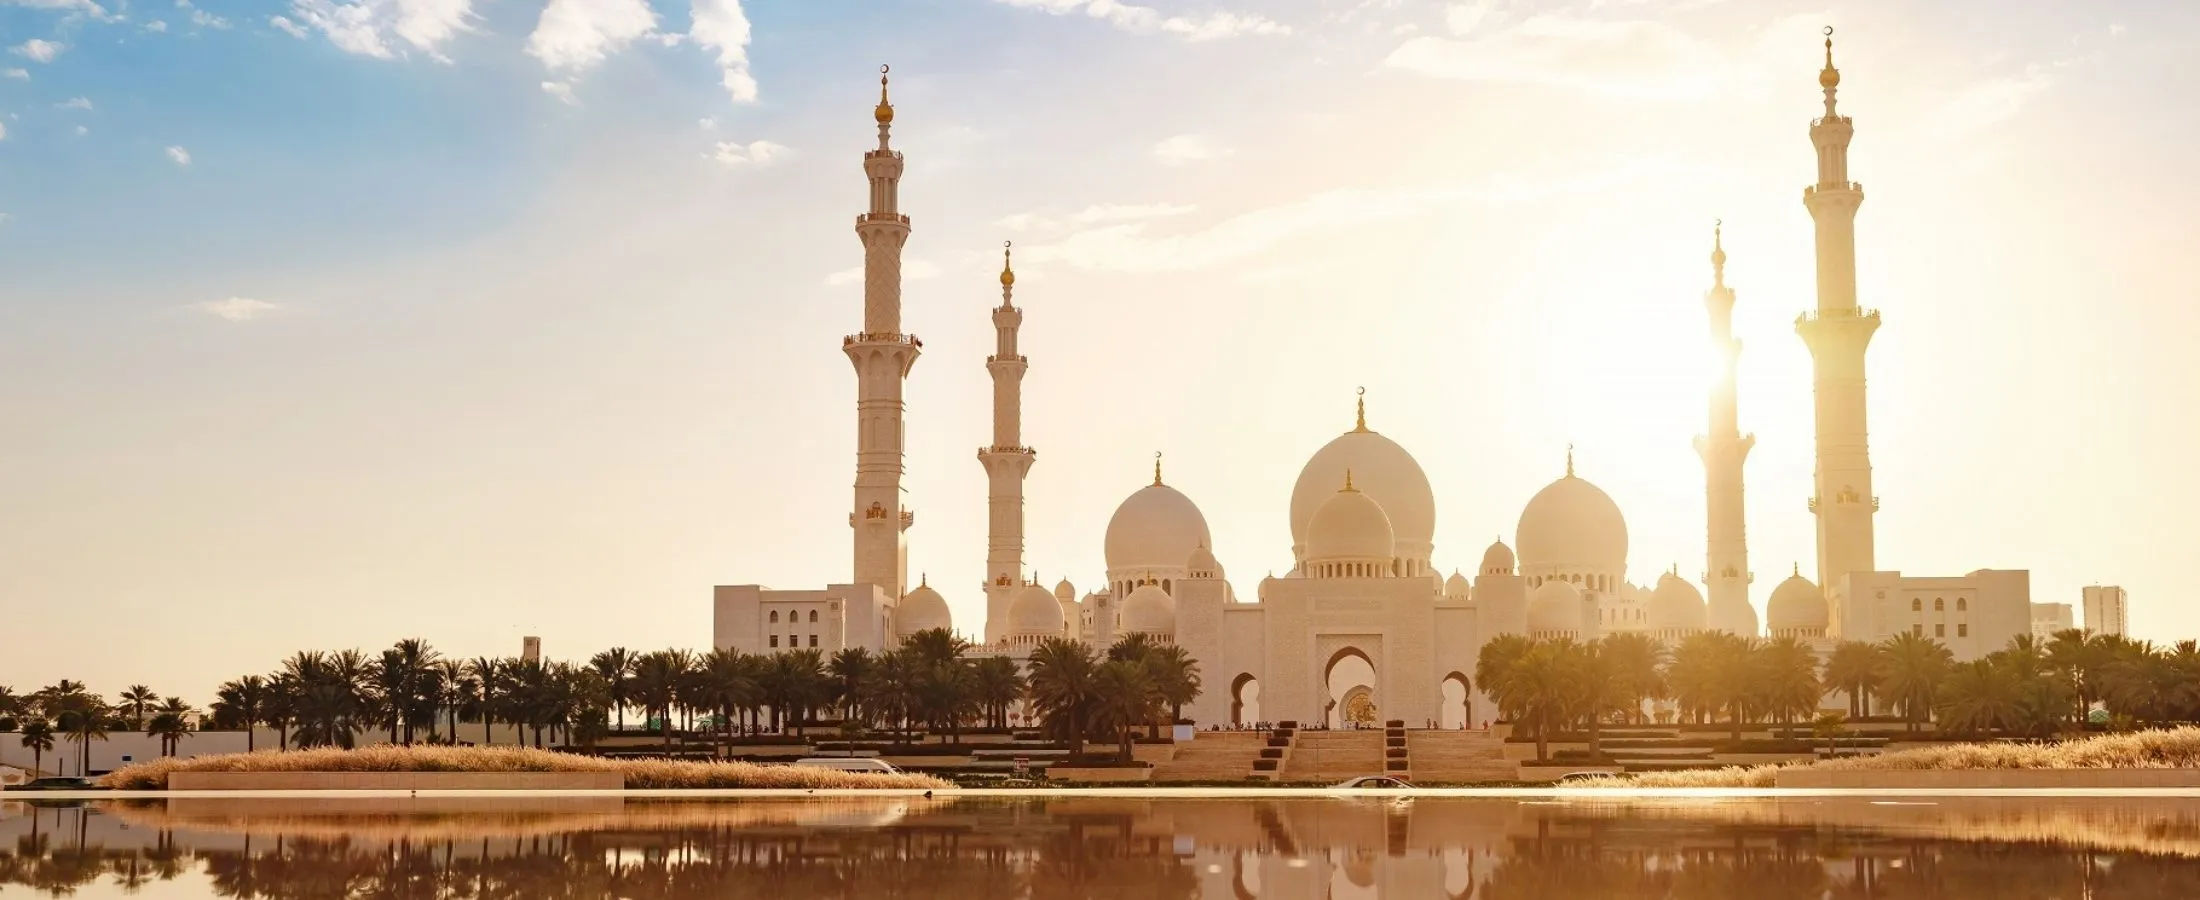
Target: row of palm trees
2031,688
413,693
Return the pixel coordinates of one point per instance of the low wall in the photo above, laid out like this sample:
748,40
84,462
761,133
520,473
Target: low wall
1066,773
396,781
1987,779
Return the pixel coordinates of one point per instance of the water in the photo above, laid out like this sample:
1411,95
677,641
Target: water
1819,848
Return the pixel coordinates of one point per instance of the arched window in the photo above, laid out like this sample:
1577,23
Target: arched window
813,615
1940,604
775,616
1917,605
1962,605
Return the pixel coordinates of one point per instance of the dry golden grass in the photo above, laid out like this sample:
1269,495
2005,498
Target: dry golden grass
2175,748
647,774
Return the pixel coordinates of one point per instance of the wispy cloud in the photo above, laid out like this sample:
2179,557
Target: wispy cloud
237,309
79,7
577,34
3,131
179,156
1098,213
156,26
721,26
1579,49
1148,20
755,154
1991,101
38,50
201,17
286,26
84,103
1188,148
369,27
912,269
563,90
18,74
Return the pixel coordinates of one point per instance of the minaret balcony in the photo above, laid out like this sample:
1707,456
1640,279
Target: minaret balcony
881,219
1018,358
1019,451
908,518
1833,186
875,154
881,337
1828,315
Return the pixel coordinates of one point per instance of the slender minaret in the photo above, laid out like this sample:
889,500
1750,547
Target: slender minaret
1724,448
1006,461
1838,332
882,355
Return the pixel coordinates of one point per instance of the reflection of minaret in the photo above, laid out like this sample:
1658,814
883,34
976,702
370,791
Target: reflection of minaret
1006,462
1838,332
1724,448
882,355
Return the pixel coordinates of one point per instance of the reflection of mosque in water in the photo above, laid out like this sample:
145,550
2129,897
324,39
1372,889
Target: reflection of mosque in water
1292,849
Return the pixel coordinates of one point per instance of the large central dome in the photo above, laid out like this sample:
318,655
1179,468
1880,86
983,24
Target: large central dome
1157,527
1382,470
1572,525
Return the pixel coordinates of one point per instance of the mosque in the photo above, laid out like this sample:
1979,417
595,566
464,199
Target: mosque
1365,625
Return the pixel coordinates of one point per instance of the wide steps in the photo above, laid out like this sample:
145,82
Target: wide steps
1334,755
1458,757
1213,756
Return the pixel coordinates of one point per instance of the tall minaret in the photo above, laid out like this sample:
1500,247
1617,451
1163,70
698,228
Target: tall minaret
882,355
1006,462
1724,448
1838,333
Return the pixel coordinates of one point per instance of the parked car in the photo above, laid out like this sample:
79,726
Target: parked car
850,764
1373,782
67,783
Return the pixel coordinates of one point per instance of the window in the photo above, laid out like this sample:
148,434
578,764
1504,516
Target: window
813,616
1918,630
793,641
1940,631
813,638
1917,605
1939,604
1962,605
775,617
1963,629
775,638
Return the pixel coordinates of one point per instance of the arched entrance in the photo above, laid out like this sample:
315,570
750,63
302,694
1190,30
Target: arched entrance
1456,709
1350,681
1245,700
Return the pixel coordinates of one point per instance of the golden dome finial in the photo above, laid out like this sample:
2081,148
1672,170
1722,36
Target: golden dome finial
1829,77
922,579
885,111
1157,468
1569,460
1348,480
1361,423
1008,271
1798,569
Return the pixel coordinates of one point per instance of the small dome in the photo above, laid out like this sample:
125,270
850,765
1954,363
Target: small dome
1796,604
923,609
1556,607
1036,612
1156,527
1349,526
1065,591
1498,560
1575,525
1202,564
1456,586
1674,604
1149,610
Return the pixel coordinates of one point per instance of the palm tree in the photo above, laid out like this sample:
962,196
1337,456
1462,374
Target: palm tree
849,669
1978,696
1495,665
1124,696
1852,668
1175,677
2083,659
37,737
85,723
1637,662
1061,688
136,699
936,645
727,688
616,667
998,687
11,705
1911,668
171,723
1786,681
241,704
1711,672
458,693
1546,685
656,685
488,675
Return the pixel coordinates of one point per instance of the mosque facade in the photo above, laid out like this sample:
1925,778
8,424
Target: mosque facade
1365,624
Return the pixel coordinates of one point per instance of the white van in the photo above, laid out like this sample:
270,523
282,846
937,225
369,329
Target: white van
850,764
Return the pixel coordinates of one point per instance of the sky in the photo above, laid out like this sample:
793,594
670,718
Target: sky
325,324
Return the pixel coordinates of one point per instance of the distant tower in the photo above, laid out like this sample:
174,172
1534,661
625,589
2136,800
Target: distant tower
1838,332
1006,462
530,649
1724,448
882,355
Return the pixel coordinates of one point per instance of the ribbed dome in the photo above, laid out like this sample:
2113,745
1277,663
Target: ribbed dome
1036,612
1675,604
1456,586
923,609
1573,524
1556,606
1796,604
1156,527
1149,610
1498,560
1382,470
1350,526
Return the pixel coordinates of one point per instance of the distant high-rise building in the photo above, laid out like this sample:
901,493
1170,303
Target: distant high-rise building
530,649
2048,618
2105,607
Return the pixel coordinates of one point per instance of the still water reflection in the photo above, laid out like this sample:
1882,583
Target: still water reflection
1287,849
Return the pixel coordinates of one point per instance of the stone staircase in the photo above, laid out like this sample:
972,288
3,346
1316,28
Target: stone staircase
1213,756
1458,757
1333,756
